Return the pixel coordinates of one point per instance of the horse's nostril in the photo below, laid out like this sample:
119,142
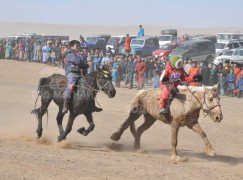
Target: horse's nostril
217,118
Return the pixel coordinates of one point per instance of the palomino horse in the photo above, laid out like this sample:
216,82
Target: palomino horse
184,111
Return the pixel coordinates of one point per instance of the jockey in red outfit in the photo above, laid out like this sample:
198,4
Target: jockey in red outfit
170,77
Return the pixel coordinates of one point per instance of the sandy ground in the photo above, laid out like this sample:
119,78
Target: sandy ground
98,157
8,29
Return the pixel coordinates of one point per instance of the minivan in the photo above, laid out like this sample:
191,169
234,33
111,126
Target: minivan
197,50
97,42
144,46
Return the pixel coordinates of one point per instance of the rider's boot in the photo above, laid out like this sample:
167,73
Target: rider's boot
163,110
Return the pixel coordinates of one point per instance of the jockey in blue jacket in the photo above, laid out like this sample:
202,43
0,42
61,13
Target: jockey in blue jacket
73,66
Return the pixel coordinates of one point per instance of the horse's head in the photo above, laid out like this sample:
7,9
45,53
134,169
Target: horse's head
211,104
104,81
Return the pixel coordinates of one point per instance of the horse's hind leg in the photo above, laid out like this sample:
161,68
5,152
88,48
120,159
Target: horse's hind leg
41,111
208,147
59,118
149,121
135,113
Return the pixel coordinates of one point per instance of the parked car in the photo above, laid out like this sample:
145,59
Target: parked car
223,46
167,36
120,39
97,42
121,47
198,50
164,51
237,56
224,56
144,46
211,38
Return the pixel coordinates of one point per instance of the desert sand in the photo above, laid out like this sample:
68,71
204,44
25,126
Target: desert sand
97,156
8,29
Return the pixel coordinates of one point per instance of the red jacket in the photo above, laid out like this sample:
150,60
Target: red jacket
175,75
127,44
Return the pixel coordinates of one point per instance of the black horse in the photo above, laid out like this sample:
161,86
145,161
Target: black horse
83,99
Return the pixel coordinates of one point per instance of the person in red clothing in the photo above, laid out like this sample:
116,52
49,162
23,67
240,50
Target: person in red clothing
193,70
140,69
170,77
127,47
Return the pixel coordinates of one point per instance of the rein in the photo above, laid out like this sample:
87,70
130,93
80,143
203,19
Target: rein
205,111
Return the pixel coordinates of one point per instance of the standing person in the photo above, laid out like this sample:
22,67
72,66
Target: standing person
188,66
1,49
73,64
140,70
127,47
44,54
226,68
194,69
118,75
116,47
7,51
237,71
240,86
48,51
140,31
129,70
96,61
20,51
38,51
221,81
205,71
231,77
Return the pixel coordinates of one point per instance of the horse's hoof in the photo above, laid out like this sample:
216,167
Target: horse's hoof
59,139
82,131
212,153
175,157
115,136
37,136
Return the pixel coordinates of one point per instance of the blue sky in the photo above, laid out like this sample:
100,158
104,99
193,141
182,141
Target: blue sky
184,13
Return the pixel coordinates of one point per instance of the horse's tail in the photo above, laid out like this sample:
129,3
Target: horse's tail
135,105
41,83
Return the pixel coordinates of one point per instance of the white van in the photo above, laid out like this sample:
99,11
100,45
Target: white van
120,39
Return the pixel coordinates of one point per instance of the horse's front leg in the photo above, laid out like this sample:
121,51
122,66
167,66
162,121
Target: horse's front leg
175,130
208,147
69,126
91,127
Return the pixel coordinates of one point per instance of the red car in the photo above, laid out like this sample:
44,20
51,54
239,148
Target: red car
164,51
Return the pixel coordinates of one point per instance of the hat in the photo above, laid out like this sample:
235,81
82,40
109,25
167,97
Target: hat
49,42
176,62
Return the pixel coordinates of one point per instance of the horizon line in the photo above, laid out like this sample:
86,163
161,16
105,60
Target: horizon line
112,25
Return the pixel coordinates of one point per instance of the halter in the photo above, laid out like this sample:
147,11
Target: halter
207,111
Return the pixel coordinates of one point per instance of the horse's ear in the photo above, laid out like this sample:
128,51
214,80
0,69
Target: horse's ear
215,87
204,88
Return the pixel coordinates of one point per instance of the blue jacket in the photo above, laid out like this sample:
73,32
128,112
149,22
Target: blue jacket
73,63
240,84
230,78
140,32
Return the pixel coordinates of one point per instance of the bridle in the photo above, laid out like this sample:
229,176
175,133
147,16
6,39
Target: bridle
99,89
207,111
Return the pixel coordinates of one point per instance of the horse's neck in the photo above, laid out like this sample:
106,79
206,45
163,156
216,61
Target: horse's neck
197,99
91,78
